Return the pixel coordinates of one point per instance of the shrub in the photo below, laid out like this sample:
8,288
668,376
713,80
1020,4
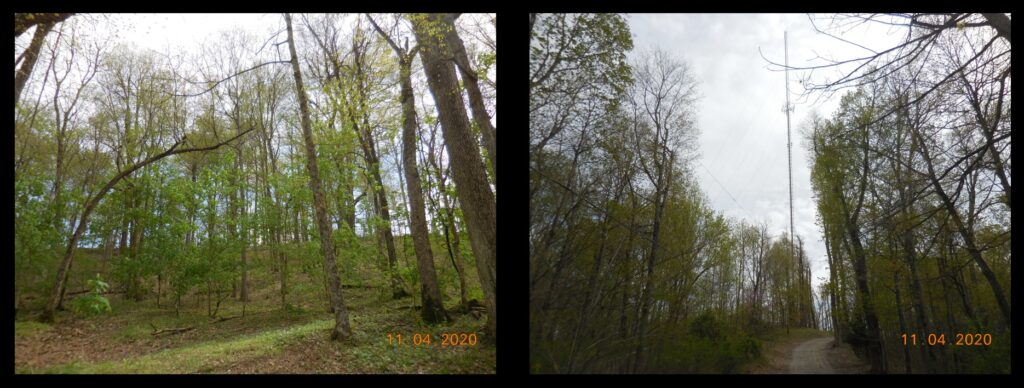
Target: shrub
749,347
703,348
705,326
94,302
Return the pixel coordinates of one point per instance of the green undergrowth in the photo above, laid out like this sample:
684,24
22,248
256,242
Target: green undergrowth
28,328
203,357
269,333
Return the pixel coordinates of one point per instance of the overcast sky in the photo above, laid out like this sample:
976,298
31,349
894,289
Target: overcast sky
742,168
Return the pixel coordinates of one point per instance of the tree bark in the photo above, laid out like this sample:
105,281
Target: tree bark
903,322
430,294
452,239
342,330
476,100
24,21
240,231
874,337
447,216
1000,22
533,20
833,286
474,192
31,55
660,196
433,305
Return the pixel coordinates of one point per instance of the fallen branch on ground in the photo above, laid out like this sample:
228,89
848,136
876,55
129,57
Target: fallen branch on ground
88,291
173,330
356,286
222,319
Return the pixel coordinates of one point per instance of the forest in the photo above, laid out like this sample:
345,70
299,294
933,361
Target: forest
307,193
633,270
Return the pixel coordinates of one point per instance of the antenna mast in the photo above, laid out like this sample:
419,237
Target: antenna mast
789,148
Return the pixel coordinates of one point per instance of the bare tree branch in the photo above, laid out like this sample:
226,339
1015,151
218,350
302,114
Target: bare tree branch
215,84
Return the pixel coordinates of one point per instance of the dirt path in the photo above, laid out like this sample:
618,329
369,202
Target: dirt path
811,356
819,356
807,351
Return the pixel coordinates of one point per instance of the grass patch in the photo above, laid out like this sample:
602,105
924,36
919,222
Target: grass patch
270,338
199,358
28,328
142,328
374,353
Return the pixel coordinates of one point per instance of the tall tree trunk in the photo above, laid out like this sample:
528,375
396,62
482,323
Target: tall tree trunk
31,55
243,289
369,146
126,223
834,286
875,350
903,322
864,296
138,229
476,100
966,233
238,208
945,279
448,223
58,181
108,251
282,260
664,182
453,240
342,330
917,296
455,253
474,192
433,305
190,236
430,294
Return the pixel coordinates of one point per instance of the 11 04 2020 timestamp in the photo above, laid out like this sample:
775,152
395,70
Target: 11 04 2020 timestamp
425,339
960,339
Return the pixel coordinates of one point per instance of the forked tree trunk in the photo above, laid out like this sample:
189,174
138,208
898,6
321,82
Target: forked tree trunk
430,294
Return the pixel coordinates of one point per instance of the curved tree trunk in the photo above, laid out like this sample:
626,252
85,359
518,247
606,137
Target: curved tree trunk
62,271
